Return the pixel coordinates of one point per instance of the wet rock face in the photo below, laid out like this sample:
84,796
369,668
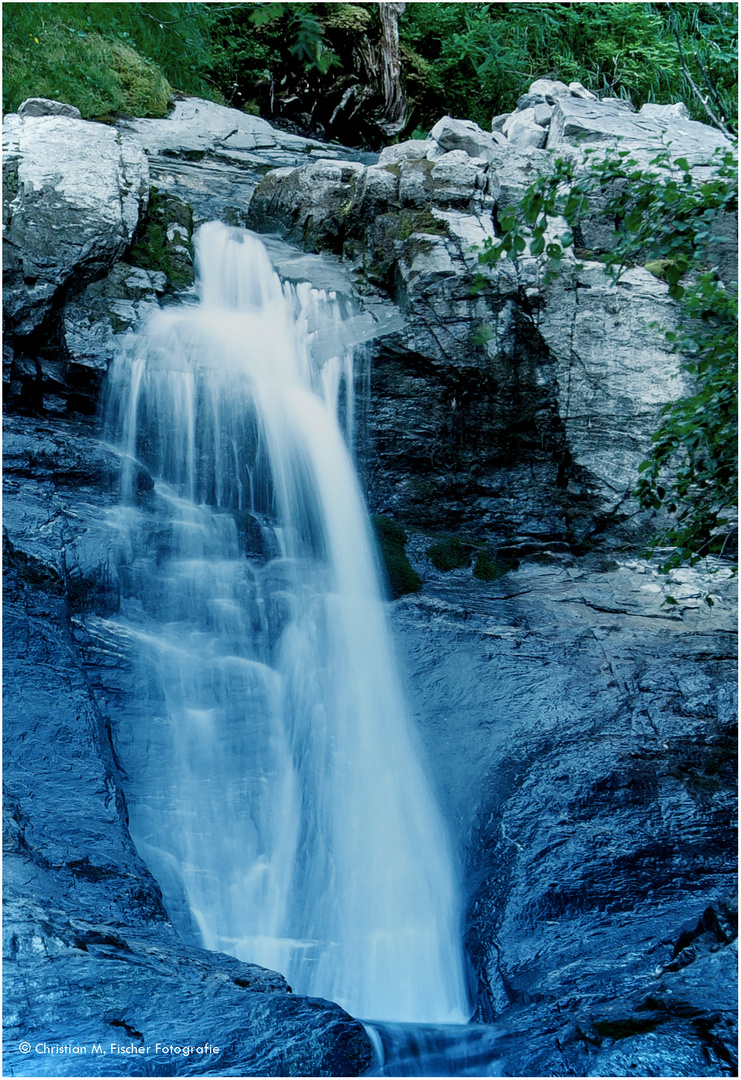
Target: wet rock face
91,330
138,1000
583,738
90,955
471,447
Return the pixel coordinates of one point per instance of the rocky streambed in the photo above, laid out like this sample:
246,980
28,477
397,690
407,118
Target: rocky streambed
579,728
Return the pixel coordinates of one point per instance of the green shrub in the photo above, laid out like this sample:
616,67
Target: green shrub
107,59
470,60
487,569
448,554
401,576
474,60
675,217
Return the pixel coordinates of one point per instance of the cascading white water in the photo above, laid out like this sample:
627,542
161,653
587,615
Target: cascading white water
275,787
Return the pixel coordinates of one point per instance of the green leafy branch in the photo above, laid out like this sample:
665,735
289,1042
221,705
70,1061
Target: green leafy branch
307,46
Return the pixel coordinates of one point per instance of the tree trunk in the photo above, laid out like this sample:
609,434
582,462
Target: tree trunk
393,119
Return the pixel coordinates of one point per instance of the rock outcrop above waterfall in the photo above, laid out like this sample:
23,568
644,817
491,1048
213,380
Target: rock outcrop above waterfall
88,252
73,194
555,116
506,408
214,156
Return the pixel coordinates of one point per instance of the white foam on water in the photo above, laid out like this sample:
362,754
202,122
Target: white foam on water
275,782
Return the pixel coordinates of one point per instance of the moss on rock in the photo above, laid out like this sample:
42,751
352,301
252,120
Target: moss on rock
400,574
487,569
399,234
348,18
448,554
102,77
164,240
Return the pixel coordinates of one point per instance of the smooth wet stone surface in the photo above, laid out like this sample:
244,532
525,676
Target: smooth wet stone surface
583,735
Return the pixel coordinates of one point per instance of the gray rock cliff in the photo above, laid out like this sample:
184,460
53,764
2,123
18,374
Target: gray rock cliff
579,729
507,407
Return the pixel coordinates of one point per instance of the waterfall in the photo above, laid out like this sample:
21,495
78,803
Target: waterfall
274,786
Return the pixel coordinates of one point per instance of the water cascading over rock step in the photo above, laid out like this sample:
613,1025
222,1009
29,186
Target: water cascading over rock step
274,783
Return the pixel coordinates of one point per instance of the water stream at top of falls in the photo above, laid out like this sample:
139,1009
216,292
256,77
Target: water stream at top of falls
275,787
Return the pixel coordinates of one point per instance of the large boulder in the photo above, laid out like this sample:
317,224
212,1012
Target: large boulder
73,192
195,124
549,89
63,369
46,107
615,372
453,134
310,205
523,129
411,150
583,122
198,127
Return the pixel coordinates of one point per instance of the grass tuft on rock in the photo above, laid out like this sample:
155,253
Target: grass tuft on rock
401,576
487,569
448,554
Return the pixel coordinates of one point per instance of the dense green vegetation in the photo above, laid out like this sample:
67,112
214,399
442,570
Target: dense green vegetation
448,554
107,59
298,62
486,568
475,60
680,227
